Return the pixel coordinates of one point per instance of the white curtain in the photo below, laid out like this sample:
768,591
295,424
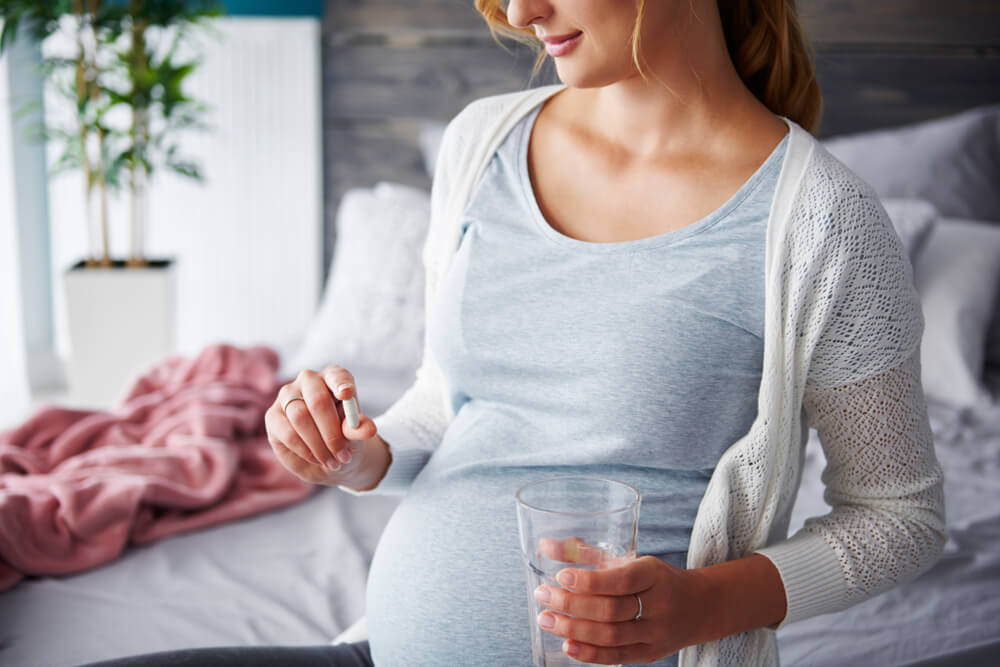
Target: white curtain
26,356
15,394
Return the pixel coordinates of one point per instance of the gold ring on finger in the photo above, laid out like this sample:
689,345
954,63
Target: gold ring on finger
291,399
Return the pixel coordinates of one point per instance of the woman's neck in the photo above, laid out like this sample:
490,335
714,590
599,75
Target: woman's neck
690,99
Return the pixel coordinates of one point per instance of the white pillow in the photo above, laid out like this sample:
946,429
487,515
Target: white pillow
371,314
958,277
431,134
912,219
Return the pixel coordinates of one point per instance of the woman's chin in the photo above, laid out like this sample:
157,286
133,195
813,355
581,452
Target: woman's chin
582,77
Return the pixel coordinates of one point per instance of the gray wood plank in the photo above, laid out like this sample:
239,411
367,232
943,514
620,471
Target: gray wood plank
360,154
864,91
364,153
859,86
428,16
939,22
364,82
902,22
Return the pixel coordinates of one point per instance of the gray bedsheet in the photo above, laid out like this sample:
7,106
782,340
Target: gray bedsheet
950,615
297,576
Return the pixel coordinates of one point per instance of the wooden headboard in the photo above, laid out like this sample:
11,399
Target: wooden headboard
390,65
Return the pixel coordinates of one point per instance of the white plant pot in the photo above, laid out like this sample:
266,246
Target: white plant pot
121,322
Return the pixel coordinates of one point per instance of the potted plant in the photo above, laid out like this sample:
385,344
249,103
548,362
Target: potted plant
124,82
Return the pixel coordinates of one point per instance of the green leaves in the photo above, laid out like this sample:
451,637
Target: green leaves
125,82
39,17
127,58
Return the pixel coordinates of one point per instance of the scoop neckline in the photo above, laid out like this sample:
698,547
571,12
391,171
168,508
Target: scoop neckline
665,238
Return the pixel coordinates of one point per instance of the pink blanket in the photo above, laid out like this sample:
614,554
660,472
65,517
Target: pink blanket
185,449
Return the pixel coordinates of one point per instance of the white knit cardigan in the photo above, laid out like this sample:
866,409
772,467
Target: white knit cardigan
841,353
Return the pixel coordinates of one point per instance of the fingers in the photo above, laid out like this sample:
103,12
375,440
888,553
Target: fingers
634,576
303,416
615,655
594,632
314,428
341,385
575,550
604,608
308,471
324,416
280,430
596,611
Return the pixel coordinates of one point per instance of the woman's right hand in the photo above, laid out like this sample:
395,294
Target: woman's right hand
311,437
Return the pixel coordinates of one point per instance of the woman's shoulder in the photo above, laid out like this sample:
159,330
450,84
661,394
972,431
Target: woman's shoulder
497,106
842,258
836,223
480,120
827,176
832,204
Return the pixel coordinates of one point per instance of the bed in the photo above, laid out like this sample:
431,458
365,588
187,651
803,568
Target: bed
911,103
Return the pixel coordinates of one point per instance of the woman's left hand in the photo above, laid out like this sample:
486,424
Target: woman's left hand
596,611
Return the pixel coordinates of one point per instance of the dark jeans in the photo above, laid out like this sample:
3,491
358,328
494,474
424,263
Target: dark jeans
341,655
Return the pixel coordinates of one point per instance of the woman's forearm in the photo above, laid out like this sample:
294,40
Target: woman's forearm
740,595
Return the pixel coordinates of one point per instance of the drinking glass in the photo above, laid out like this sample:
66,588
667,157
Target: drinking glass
580,522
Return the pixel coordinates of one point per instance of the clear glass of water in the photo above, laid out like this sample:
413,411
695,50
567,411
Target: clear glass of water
580,522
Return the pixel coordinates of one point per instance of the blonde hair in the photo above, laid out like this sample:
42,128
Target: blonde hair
773,57
765,40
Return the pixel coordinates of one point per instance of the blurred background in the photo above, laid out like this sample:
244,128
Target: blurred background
245,241
262,169
269,112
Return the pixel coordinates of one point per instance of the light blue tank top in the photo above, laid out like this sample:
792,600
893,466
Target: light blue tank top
639,361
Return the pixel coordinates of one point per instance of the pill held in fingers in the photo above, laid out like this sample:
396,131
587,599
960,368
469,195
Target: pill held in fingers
352,412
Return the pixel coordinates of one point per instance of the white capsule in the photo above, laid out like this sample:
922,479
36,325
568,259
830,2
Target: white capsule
352,412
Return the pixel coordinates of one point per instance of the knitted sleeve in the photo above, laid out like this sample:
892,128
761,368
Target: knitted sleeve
882,479
415,424
863,395
864,314
885,487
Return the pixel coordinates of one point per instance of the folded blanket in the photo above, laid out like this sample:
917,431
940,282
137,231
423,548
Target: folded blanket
185,449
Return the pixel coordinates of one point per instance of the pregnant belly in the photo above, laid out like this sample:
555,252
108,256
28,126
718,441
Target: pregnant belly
446,585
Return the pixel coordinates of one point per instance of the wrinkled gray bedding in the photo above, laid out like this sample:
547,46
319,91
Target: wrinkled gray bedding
297,576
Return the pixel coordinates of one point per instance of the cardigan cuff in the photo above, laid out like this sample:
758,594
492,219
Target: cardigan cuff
812,576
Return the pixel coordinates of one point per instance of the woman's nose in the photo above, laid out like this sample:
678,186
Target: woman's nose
523,13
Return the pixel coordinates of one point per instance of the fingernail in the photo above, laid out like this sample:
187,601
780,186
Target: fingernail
341,388
547,621
344,455
332,465
566,578
571,649
542,594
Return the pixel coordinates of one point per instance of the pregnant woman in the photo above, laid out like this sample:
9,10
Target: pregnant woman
652,273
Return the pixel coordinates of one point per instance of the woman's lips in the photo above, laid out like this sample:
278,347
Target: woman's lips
562,44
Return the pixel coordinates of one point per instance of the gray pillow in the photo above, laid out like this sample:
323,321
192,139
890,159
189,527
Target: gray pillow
991,372
953,162
958,278
913,220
